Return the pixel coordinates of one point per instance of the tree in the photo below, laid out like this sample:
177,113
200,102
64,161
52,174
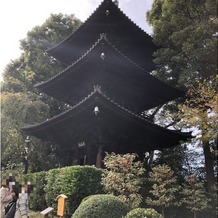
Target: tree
123,177
201,110
18,108
20,101
185,32
35,65
164,188
174,158
194,195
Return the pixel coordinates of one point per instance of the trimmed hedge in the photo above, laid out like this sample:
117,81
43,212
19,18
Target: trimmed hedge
143,212
105,206
52,187
76,182
37,200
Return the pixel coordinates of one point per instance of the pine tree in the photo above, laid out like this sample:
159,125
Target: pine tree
194,195
164,187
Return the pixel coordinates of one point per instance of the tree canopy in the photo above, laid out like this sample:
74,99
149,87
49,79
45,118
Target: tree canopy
123,177
35,65
21,103
186,33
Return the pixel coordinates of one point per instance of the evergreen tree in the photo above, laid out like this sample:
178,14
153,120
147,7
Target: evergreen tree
164,188
186,33
20,101
123,177
194,195
174,158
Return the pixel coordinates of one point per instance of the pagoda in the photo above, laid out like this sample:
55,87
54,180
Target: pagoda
107,86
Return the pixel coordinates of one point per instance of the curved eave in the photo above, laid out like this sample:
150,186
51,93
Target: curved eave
123,32
114,123
119,77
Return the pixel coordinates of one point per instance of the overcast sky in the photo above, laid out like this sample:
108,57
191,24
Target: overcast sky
19,17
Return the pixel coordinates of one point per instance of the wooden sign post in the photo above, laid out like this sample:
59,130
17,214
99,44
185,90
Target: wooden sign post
61,204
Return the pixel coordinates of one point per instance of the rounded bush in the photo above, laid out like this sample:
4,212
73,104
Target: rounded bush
142,213
105,206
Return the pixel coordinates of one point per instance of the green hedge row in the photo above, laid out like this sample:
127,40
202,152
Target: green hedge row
37,194
76,182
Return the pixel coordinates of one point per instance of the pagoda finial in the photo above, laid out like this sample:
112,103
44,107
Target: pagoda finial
116,2
97,88
102,35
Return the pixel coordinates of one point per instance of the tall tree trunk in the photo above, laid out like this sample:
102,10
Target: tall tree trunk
195,215
209,166
162,208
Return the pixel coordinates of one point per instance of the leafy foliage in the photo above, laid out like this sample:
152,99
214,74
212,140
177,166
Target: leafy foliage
201,107
186,34
194,195
164,187
18,108
37,200
106,206
143,212
174,158
52,187
201,110
76,182
35,65
21,103
123,177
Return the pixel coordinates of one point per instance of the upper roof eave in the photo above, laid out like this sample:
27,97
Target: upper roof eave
67,50
50,50
101,6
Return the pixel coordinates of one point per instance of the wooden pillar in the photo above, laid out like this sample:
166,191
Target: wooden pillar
99,156
90,155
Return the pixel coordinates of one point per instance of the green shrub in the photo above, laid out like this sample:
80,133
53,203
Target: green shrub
76,182
52,187
142,213
37,194
101,206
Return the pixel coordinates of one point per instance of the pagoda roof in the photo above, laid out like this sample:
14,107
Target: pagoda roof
120,79
117,127
129,38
